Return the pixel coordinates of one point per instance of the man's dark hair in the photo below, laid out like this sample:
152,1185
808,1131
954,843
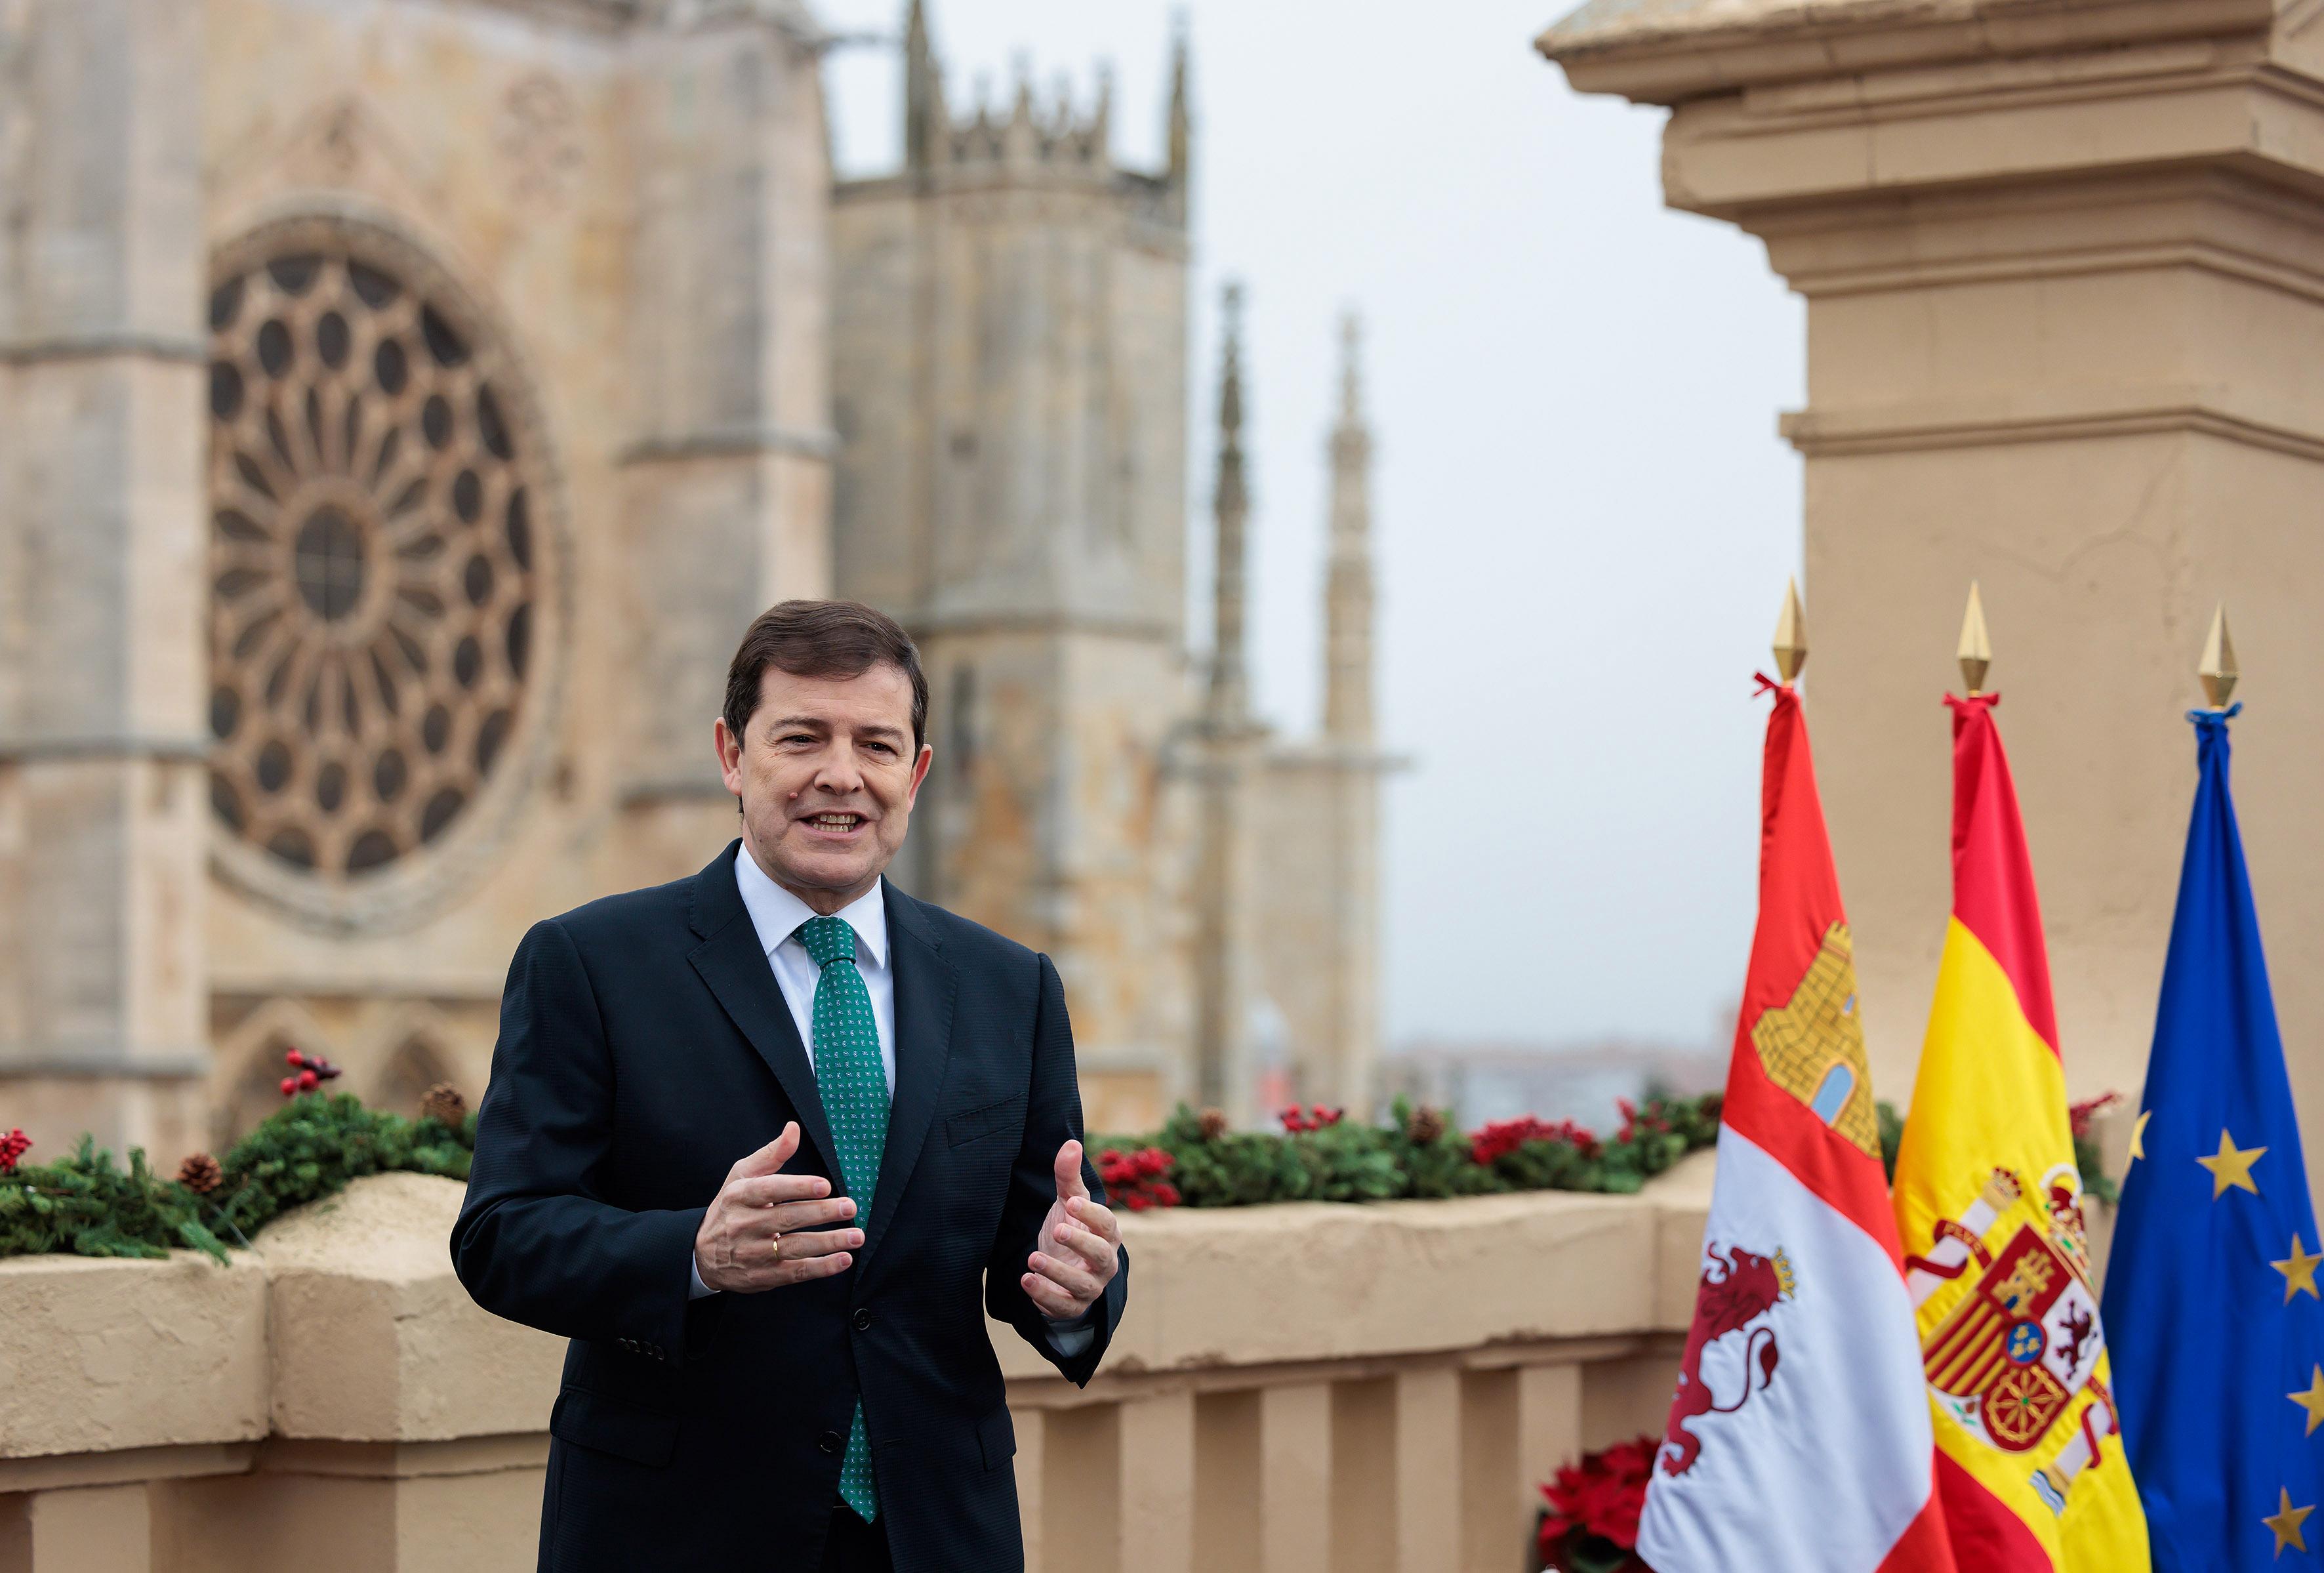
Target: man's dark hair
822,638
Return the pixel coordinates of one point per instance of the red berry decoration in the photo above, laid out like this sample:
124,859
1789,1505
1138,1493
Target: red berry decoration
309,1071
12,1147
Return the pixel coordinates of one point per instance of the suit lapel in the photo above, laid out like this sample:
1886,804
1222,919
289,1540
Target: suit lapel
738,973
924,983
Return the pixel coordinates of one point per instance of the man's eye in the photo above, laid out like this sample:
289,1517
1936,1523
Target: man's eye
880,748
794,737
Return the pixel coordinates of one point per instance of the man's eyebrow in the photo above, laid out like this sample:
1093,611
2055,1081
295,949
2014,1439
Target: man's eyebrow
813,723
881,728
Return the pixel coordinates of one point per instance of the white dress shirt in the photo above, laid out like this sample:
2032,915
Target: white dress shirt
777,915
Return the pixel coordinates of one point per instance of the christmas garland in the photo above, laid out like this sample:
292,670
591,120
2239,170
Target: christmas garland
88,1205
1199,1160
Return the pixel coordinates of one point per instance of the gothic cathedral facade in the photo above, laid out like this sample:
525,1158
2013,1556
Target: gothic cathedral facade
404,407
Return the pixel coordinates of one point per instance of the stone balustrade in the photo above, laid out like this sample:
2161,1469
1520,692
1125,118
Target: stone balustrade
1295,1388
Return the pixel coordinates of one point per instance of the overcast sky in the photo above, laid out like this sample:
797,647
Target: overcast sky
1583,513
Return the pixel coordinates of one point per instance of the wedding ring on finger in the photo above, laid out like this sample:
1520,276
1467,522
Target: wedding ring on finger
775,1246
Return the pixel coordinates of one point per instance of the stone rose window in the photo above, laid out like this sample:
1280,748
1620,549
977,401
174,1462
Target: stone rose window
379,591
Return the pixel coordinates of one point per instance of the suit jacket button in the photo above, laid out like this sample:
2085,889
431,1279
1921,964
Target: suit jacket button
863,1322
829,1442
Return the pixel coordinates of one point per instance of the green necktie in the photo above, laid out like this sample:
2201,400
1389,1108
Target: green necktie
854,1088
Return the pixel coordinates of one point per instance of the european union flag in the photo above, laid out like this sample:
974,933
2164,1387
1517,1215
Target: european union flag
2211,1304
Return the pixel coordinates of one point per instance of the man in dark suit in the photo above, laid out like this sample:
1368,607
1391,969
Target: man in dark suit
754,1140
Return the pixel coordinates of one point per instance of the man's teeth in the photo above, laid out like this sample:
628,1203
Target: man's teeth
836,821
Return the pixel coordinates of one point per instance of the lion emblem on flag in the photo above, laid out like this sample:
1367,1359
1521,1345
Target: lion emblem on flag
1738,1290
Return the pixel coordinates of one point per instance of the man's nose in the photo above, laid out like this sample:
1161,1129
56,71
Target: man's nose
841,770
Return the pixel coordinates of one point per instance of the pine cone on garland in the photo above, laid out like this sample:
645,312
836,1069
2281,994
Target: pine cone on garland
1215,1124
1426,1128
443,1103
200,1174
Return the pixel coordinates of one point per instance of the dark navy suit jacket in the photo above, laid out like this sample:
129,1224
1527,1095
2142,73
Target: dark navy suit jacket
644,1047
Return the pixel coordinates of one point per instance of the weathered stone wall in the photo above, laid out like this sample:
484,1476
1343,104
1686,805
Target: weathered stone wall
1318,922
1009,325
102,532
1295,1389
632,203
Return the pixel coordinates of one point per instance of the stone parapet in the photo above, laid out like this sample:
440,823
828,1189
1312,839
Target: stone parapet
1295,1387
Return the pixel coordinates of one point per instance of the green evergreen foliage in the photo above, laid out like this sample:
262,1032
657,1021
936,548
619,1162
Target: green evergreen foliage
88,1205
311,1147
1346,1161
314,1144
1442,1166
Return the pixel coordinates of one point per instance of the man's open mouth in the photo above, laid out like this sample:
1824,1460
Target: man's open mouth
837,824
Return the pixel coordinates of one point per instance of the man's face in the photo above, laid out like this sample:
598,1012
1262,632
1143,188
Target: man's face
827,772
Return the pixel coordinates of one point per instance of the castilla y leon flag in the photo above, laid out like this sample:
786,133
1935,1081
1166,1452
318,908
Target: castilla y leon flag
1988,1201
1798,1438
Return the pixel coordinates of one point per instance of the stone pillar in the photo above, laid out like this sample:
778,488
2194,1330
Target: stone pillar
91,1526
2064,273
1294,1478
729,482
102,823
1427,1469
1157,1488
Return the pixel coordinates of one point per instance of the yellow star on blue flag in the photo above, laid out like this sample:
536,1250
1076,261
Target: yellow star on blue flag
2216,1327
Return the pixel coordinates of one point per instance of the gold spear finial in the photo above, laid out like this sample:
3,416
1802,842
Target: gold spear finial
1791,646
2218,670
1976,652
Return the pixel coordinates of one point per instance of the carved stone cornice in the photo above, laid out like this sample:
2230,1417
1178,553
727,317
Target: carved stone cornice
1668,52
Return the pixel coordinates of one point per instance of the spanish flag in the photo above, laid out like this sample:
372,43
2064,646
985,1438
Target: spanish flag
2030,1461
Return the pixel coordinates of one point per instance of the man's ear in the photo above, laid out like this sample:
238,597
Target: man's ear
919,773
729,749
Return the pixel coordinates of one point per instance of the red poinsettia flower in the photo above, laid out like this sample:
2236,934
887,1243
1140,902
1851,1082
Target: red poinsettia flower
1134,1180
1503,1137
1593,1506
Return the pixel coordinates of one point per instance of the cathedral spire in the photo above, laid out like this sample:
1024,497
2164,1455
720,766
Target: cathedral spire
1348,584
1230,699
1180,134
924,110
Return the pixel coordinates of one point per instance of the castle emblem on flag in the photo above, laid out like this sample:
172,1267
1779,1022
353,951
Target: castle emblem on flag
1812,1044
1738,1290
2010,1358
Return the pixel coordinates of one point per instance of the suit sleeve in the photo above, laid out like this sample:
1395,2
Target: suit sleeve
1053,1116
536,1241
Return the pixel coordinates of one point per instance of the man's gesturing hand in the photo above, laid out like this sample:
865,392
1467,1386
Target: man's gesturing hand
1076,1255
765,1228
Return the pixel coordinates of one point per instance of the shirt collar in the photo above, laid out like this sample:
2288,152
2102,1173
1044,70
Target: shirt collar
777,914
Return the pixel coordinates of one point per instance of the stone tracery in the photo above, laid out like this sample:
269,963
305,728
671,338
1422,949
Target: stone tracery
374,550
